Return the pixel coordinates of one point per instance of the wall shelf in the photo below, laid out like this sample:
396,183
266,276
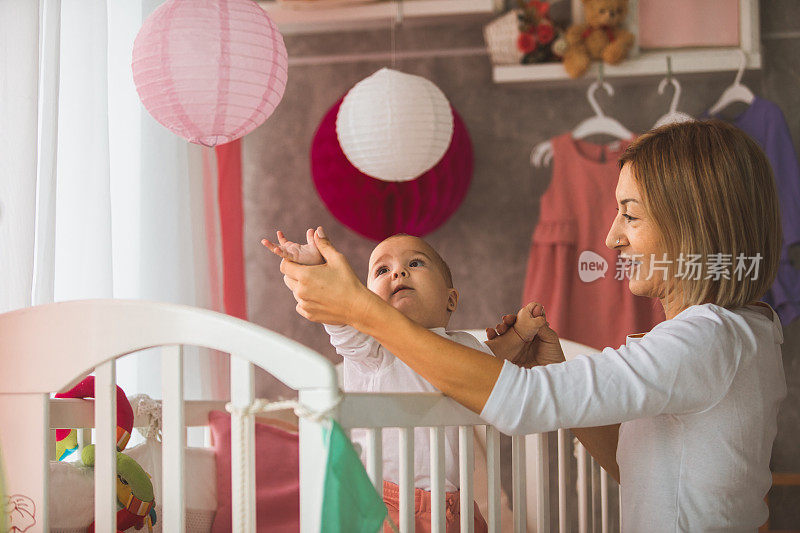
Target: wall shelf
654,62
293,20
645,64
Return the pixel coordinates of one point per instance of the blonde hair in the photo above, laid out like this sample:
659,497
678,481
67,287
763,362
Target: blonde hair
710,190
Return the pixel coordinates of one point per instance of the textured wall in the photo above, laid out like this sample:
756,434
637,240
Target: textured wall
486,241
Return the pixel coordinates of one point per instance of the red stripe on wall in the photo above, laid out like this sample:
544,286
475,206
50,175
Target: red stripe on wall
231,212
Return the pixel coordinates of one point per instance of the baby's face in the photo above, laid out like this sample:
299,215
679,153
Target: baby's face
405,272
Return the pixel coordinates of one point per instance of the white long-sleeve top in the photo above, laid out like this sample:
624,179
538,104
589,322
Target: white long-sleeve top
369,367
698,399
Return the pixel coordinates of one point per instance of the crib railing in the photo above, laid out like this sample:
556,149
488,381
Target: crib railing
375,412
49,348
79,414
43,346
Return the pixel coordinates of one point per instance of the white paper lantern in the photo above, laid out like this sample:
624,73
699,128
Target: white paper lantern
394,126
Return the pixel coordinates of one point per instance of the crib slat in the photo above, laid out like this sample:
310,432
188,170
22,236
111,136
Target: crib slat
173,436
375,458
603,501
518,483
437,480
466,466
563,465
583,479
542,482
595,494
243,437
105,466
313,454
406,480
23,433
51,445
493,474
84,438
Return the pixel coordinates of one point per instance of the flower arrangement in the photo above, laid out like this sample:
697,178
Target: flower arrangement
539,40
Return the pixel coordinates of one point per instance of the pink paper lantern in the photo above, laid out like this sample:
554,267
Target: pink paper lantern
210,71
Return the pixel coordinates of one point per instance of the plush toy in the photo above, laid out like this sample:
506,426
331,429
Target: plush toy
600,37
67,440
135,497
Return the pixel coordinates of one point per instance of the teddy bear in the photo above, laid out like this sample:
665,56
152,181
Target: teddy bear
600,37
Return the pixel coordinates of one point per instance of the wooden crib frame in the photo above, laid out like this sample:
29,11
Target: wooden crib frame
49,348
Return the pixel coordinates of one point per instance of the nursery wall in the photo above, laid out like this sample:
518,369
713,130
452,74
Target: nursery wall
486,241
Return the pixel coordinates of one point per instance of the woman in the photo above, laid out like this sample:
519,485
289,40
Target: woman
697,397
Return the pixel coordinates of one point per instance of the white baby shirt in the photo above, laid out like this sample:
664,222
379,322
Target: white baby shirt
369,367
698,397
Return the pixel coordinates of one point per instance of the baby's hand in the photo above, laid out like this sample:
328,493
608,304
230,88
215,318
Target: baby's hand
529,321
304,254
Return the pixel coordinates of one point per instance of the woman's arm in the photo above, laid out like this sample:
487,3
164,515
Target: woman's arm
601,443
545,349
681,368
465,374
331,293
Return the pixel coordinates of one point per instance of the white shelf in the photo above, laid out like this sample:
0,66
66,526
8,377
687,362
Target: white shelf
367,15
647,63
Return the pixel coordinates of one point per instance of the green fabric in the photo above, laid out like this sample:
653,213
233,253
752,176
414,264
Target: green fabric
350,502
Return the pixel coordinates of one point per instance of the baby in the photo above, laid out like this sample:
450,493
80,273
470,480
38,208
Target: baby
412,277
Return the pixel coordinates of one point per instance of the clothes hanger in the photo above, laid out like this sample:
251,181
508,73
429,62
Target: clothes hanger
542,154
673,116
600,124
736,92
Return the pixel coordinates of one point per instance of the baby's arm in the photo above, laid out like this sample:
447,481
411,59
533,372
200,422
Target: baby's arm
528,323
304,254
348,341
525,326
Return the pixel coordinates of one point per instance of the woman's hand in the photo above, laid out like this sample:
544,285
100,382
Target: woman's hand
329,293
544,349
305,254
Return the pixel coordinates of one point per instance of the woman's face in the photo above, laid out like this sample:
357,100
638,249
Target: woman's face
636,237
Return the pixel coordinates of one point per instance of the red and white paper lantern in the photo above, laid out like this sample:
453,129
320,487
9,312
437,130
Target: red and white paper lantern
394,126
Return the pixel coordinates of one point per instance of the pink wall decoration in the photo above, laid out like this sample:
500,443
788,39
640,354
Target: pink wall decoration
688,23
377,209
210,71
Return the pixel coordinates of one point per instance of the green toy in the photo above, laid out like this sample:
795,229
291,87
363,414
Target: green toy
135,497
134,489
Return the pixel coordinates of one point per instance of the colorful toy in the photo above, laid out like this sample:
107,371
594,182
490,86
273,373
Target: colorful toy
66,443
135,496
66,439
601,37
134,492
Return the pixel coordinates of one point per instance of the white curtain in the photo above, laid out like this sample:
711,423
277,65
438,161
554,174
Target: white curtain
120,205
19,62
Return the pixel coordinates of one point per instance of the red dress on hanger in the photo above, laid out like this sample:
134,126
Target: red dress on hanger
576,213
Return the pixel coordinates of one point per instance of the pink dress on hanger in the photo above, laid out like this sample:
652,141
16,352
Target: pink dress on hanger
576,213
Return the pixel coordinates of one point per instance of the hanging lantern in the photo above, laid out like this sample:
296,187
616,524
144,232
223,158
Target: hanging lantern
394,126
210,71
378,209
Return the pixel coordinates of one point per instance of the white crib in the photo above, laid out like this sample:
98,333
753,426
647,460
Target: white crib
49,348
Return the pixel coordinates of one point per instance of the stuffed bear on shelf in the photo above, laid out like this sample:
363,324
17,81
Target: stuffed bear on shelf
601,37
